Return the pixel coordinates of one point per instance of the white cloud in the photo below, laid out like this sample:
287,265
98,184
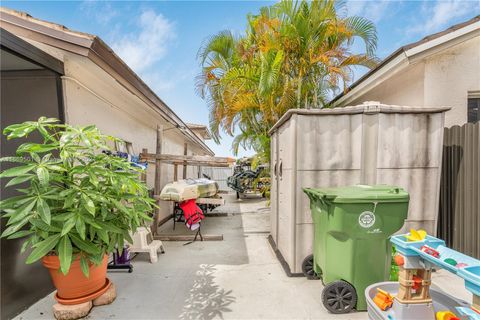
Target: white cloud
438,14
142,48
373,10
101,11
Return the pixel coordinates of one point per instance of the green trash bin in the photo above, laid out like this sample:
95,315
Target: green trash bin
351,249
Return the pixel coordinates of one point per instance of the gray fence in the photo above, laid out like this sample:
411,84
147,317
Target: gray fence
459,216
220,175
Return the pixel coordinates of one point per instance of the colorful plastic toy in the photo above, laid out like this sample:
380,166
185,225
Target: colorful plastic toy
383,299
451,261
446,315
430,251
399,260
470,313
415,235
414,299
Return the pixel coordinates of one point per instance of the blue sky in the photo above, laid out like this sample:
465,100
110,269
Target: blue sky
160,39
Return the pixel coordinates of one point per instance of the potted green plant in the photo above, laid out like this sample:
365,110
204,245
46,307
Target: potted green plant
76,204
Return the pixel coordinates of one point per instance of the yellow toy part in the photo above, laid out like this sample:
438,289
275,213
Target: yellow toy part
416,235
446,315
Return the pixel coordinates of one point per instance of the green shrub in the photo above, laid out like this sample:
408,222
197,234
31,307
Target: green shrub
77,200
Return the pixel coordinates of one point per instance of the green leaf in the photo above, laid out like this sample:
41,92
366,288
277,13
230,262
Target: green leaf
92,231
14,201
84,245
25,244
44,210
63,216
103,235
93,179
69,200
69,224
120,243
98,258
121,207
43,176
84,266
15,159
65,254
80,226
19,130
144,216
36,148
21,212
109,227
19,179
92,222
54,167
20,234
15,227
127,237
88,204
35,157
17,171
40,224
43,248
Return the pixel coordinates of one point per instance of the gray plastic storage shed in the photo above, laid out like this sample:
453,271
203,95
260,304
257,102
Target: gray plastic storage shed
367,144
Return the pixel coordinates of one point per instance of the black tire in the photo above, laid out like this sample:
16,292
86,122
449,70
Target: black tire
339,297
307,268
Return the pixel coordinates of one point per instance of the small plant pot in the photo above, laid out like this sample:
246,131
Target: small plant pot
74,287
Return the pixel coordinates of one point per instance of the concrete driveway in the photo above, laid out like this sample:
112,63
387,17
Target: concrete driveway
237,278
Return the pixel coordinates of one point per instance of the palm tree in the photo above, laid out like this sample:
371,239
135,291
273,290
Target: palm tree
292,55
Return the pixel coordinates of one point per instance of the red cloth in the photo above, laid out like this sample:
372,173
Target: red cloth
192,212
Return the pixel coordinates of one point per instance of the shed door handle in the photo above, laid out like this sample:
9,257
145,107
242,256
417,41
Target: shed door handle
275,169
280,168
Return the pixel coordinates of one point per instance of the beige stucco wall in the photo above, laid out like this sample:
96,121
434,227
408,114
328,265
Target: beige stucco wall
450,75
92,96
441,78
405,88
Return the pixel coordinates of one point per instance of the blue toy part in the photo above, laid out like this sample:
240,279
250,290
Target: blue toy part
464,311
447,253
407,248
471,274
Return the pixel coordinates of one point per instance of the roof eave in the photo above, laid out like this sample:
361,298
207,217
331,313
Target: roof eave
409,51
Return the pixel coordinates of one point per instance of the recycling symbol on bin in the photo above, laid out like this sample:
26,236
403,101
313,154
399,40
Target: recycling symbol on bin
366,219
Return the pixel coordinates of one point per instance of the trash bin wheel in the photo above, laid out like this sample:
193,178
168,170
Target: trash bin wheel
307,268
339,297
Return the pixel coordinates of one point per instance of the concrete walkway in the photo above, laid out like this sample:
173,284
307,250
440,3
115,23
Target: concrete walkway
237,278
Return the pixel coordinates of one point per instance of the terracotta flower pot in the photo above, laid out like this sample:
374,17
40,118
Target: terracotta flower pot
74,287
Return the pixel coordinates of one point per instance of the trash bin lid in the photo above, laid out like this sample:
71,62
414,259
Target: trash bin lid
359,193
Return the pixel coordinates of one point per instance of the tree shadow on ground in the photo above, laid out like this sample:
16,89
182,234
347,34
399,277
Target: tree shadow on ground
206,299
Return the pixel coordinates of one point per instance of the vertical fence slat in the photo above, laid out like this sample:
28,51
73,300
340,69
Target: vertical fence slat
459,210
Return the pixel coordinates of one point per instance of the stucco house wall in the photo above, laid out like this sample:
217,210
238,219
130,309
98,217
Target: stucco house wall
440,76
450,76
404,88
